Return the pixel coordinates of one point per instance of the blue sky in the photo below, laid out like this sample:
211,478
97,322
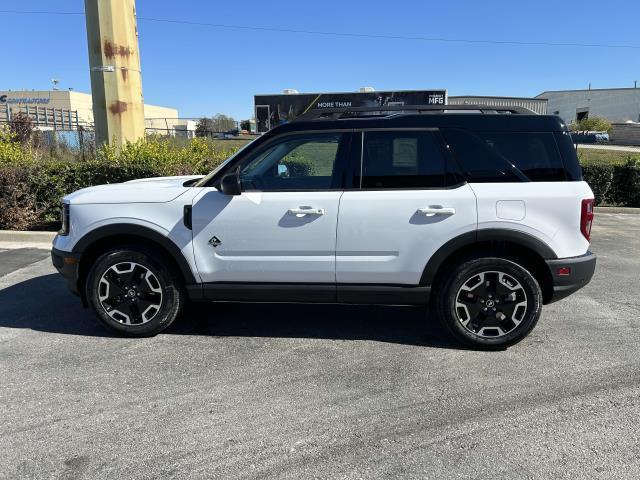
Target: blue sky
202,70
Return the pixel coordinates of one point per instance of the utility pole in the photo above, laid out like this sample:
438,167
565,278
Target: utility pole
114,61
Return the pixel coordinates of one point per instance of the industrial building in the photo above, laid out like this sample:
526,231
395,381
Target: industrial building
618,105
68,109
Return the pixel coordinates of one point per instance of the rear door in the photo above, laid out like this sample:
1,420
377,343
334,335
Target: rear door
404,206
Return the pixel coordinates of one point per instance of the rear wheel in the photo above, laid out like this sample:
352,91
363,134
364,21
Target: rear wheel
133,292
489,303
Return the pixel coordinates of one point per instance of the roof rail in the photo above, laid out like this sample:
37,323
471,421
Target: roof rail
394,110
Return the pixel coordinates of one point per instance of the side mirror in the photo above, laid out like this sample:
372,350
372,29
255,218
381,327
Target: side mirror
230,185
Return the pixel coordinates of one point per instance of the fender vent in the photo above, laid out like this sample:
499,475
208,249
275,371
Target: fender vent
186,217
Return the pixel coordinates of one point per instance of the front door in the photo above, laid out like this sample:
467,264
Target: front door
282,228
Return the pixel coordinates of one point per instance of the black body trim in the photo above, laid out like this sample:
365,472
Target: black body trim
383,294
266,292
136,230
67,264
310,293
438,258
484,235
187,216
582,270
516,236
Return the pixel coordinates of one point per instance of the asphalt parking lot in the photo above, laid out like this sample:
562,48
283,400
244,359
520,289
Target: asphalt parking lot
294,391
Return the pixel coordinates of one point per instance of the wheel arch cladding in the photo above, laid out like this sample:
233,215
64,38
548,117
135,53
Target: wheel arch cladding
97,241
524,249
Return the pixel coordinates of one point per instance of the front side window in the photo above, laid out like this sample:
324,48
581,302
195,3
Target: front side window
402,160
300,162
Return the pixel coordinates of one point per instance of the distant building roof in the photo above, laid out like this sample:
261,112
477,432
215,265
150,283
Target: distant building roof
587,90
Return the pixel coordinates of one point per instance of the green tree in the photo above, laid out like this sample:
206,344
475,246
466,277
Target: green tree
21,127
204,127
592,124
209,126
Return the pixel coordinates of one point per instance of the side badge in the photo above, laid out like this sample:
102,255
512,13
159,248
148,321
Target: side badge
214,242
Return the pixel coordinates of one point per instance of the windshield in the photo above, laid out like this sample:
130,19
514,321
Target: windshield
203,181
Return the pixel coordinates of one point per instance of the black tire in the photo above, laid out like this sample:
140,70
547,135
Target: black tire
470,309
159,293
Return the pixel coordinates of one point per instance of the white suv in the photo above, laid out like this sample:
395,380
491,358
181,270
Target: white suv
482,211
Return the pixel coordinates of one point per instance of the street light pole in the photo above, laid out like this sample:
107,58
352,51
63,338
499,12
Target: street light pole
114,61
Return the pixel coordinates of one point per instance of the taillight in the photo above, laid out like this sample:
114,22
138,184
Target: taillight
586,217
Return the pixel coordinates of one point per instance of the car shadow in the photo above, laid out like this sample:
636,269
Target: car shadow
45,304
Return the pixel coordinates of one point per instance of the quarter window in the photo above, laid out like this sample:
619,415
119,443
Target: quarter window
402,160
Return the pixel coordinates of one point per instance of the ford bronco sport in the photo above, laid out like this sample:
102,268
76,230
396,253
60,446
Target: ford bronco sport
481,211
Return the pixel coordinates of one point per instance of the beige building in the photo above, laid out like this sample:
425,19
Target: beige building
68,109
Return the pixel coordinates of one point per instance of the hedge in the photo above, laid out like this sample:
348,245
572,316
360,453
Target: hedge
31,185
615,184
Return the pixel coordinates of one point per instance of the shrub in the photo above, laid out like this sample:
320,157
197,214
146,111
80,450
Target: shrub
18,205
615,184
31,188
626,179
12,151
591,124
299,166
21,127
600,179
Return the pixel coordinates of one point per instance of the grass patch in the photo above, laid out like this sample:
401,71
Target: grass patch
593,156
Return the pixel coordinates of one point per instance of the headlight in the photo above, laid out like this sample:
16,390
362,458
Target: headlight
64,220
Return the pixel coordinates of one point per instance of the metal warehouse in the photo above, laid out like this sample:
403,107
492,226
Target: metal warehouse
618,105
537,105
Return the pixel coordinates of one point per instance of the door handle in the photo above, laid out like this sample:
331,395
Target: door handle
437,210
306,211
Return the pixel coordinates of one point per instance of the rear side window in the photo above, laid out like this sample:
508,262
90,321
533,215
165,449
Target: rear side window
479,162
402,160
508,156
534,154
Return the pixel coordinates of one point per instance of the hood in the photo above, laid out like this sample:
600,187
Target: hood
145,190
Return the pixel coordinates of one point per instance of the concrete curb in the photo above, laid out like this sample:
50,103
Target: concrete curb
628,210
15,236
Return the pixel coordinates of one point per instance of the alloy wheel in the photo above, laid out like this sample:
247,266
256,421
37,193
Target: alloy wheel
130,293
491,304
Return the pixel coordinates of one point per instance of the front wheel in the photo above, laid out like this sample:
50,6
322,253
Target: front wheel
133,293
489,303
